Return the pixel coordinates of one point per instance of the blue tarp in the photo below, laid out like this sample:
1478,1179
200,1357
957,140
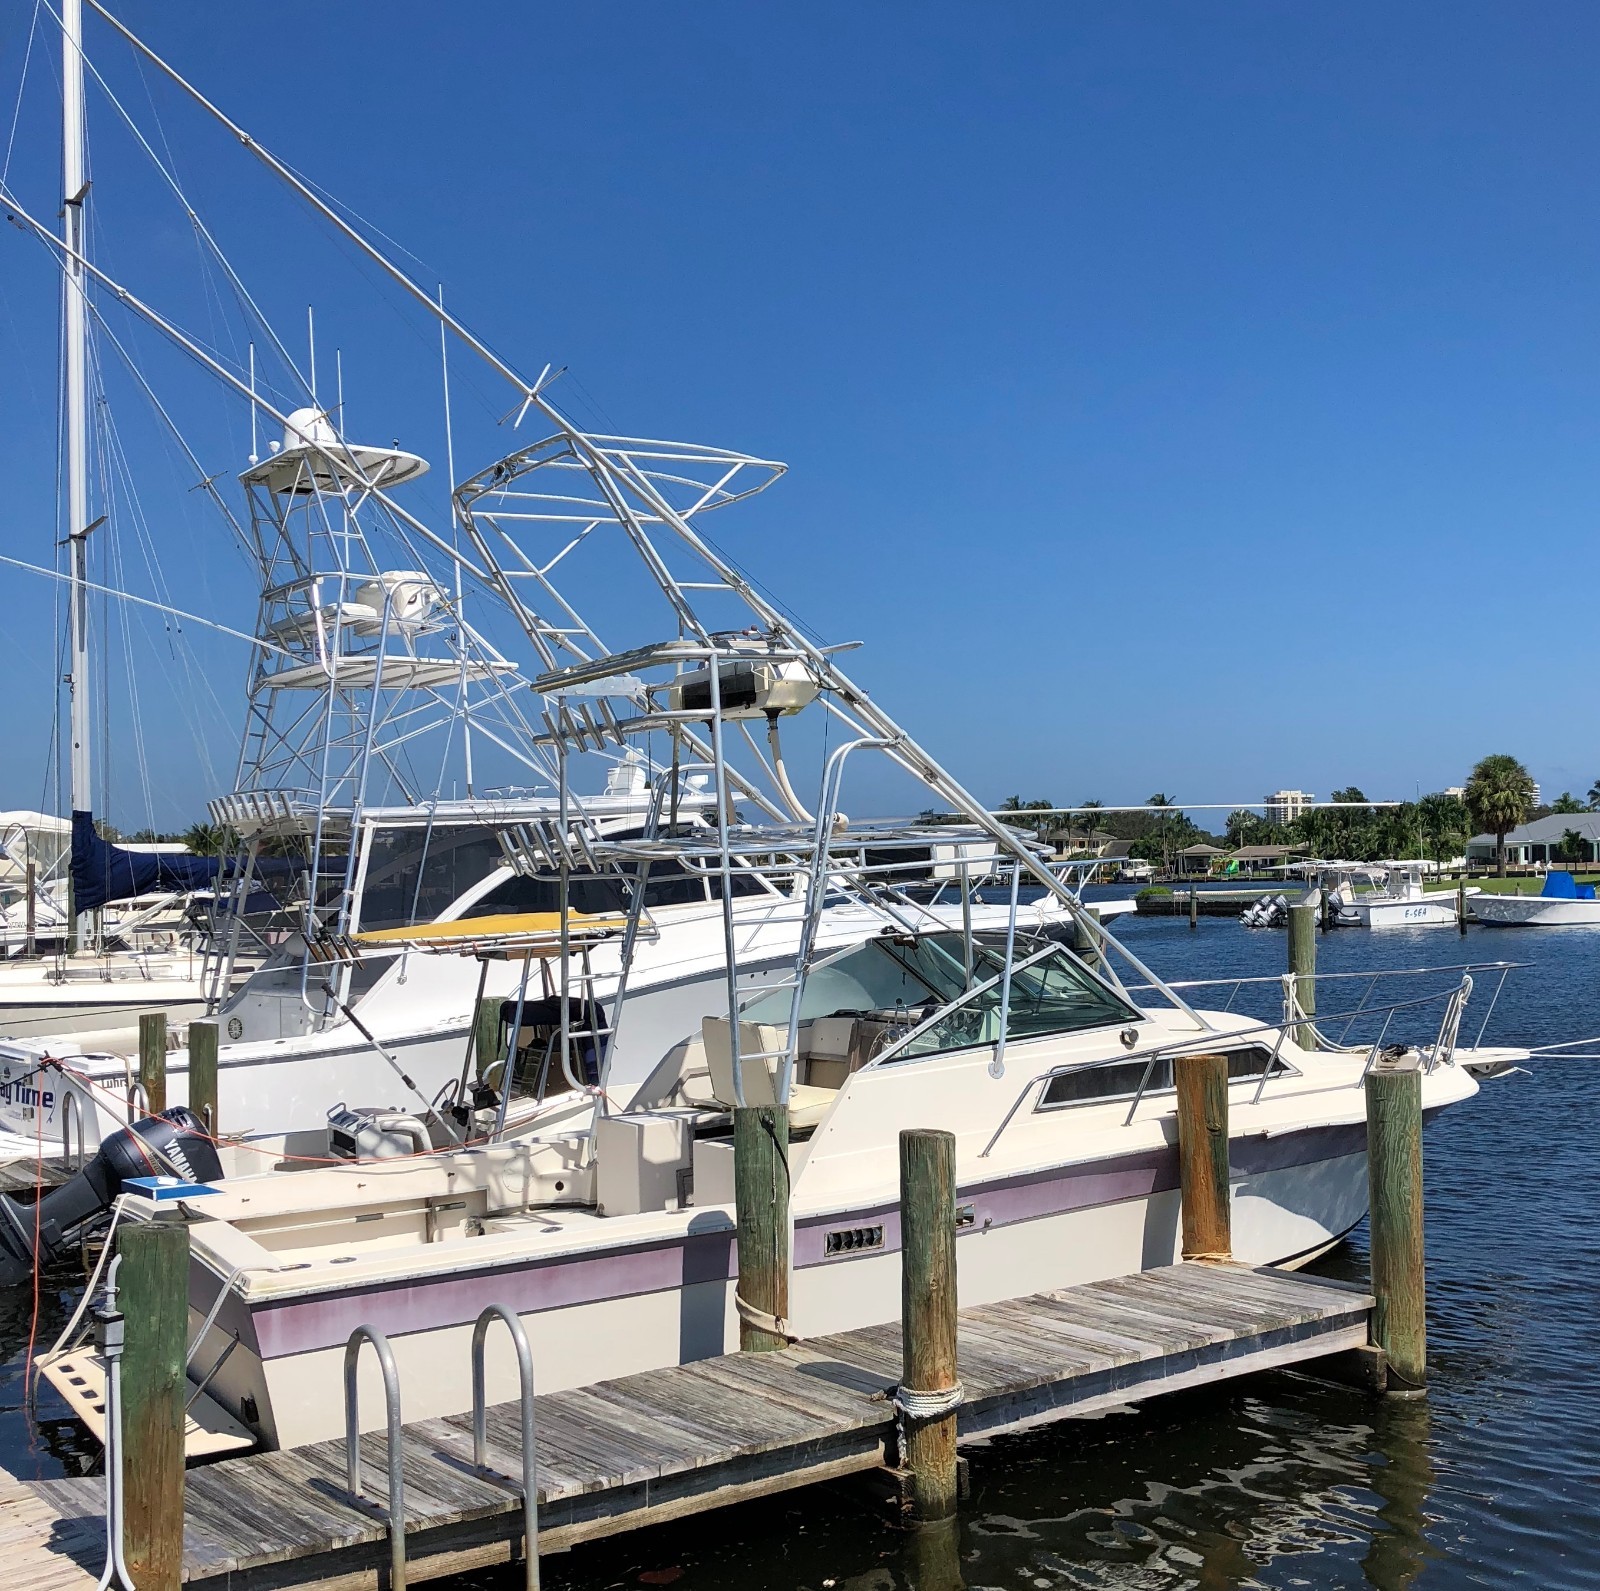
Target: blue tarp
103,872
1559,885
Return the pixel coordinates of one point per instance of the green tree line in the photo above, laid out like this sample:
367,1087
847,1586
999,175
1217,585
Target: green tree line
1497,798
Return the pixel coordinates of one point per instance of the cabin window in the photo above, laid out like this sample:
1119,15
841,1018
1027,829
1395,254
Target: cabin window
542,893
669,884
1091,1084
914,978
415,876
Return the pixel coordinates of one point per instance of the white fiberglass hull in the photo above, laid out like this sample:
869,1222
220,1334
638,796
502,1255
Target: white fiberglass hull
1534,911
1428,913
668,1298
1064,1197
77,994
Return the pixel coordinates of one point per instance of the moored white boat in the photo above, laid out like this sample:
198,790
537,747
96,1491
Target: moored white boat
1561,903
1394,896
623,1260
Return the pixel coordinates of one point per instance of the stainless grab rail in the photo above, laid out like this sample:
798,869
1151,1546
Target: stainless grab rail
1191,1044
352,1441
72,1116
480,1432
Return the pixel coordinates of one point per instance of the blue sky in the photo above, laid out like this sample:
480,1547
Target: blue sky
1187,397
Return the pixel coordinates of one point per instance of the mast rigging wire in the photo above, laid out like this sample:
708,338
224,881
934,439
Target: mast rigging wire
147,602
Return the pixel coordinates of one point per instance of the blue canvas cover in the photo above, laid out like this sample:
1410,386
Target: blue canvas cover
1559,885
103,872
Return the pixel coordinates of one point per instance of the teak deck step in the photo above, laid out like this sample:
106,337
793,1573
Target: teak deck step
649,1447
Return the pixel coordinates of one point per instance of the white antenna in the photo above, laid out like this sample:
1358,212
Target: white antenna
338,385
311,344
255,457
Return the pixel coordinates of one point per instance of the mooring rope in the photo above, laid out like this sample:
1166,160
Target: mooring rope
761,1320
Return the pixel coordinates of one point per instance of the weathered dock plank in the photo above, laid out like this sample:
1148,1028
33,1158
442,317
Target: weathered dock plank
40,1550
29,1172
654,1446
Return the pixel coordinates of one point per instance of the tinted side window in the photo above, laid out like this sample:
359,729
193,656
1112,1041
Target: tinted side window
592,896
1120,1081
413,876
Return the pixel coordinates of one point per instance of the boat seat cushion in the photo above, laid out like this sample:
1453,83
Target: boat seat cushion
760,1045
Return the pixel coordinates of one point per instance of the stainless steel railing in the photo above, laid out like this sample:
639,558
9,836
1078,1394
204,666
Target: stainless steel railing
1442,1051
396,1507
480,1431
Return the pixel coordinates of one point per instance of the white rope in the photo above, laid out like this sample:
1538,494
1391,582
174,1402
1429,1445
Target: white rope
928,1405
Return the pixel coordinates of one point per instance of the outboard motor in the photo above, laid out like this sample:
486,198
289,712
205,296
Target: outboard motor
173,1144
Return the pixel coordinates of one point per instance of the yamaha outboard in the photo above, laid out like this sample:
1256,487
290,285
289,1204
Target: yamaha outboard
173,1144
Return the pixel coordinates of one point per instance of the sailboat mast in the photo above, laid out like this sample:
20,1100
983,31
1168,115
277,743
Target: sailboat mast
75,352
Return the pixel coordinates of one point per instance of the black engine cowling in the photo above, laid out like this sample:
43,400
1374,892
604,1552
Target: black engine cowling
173,1144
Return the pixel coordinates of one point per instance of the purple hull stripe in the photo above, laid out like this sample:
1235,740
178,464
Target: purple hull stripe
301,1325
528,1286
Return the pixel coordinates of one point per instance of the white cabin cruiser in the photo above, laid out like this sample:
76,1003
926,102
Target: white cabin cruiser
616,1248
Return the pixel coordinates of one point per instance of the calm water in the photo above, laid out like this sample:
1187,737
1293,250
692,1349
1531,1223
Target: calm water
1272,1482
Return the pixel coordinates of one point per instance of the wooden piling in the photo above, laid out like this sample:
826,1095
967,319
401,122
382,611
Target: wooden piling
153,1296
486,1035
1461,904
761,1204
1394,1189
1203,1155
928,1313
203,1041
1194,906
1303,964
153,1059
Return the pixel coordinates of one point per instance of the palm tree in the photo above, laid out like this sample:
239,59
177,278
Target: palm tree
1594,796
206,839
1566,803
1499,795
1163,827
1015,803
1444,825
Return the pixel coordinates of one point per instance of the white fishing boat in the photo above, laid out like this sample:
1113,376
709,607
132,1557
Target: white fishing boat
1561,903
364,663
1387,895
585,1173
617,1250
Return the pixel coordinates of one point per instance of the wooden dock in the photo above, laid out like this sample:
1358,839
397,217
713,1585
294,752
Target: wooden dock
648,1448
1211,902
24,1175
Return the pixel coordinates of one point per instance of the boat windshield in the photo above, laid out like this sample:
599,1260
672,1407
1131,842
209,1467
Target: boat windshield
1054,994
915,978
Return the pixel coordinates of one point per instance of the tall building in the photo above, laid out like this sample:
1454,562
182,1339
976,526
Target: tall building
1284,806
1459,791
